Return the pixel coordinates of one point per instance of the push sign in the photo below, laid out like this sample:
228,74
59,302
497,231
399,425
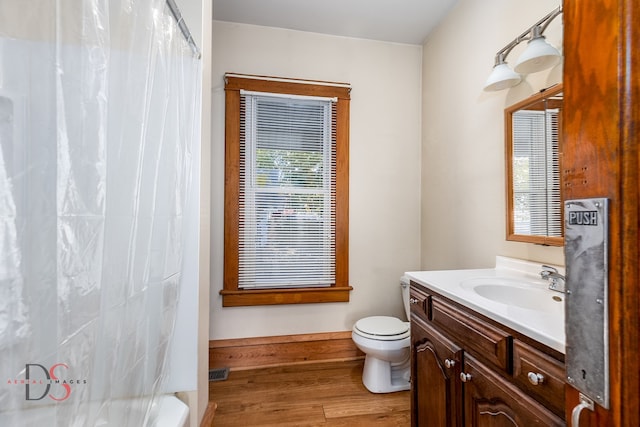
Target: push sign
578,217
586,300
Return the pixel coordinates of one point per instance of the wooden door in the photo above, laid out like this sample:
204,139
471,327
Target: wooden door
601,159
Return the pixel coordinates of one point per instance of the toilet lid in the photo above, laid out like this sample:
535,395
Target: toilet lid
383,326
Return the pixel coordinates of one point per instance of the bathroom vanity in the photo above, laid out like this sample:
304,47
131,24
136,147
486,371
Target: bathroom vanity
483,357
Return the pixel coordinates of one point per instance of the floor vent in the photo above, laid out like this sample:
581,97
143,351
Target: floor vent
219,374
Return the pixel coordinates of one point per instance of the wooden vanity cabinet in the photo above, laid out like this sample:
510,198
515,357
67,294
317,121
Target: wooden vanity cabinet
470,371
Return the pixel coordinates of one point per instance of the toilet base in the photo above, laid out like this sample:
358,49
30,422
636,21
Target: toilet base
380,376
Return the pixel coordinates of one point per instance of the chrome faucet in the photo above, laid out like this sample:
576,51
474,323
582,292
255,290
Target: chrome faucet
556,280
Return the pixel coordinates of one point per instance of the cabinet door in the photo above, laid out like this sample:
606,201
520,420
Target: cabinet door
490,401
436,388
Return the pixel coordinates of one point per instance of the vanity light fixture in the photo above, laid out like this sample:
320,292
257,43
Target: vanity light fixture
539,55
502,76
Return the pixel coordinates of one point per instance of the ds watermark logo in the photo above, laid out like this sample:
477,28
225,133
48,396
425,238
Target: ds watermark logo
41,382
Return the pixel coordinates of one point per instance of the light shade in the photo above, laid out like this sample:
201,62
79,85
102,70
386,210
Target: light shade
539,55
502,77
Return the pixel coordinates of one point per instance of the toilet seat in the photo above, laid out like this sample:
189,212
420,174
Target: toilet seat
382,328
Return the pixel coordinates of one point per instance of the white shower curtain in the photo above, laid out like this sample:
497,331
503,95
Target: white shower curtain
99,109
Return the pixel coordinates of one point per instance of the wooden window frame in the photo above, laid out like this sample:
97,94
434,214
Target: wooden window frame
232,296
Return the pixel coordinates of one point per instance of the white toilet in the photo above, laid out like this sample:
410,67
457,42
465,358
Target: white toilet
385,341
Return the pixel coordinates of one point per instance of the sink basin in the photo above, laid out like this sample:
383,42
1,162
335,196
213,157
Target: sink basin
514,292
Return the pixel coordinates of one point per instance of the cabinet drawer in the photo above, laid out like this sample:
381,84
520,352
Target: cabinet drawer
549,389
419,302
483,339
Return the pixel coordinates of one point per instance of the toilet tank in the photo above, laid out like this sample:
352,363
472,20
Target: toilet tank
404,285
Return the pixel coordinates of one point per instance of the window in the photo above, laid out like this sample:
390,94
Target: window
286,191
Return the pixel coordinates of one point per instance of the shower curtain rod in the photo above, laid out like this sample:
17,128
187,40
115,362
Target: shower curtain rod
173,7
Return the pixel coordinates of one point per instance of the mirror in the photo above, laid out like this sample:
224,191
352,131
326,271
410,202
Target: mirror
533,156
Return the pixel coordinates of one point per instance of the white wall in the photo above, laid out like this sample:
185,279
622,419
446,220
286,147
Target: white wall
384,169
183,351
463,186
190,347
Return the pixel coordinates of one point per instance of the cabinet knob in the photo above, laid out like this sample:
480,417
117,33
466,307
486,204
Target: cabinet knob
535,378
413,300
465,377
449,363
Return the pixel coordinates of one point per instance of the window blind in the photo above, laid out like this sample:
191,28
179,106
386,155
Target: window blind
287,192
536,170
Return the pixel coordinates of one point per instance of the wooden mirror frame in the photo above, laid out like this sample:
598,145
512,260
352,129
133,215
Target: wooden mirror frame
508,113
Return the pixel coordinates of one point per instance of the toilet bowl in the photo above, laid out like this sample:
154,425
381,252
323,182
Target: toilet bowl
385,341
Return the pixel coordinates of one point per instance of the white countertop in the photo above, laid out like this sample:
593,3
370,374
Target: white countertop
545,324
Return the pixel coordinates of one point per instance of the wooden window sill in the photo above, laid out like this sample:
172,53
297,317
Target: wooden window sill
248,297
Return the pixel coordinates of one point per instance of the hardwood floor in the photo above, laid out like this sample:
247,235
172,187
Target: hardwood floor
319,394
